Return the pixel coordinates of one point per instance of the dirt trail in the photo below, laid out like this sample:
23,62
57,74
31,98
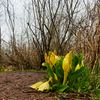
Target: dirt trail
14,86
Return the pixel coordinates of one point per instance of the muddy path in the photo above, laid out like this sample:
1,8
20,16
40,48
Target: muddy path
15,86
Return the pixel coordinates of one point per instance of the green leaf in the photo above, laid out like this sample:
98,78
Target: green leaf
59,87
73,76
56,85
79,57
58,68
50,72
62,88
47,78
90,87
74,62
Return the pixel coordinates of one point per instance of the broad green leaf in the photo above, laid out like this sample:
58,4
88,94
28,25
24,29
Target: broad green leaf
59,70
59,87
74,61
73,76
47,78
79,57
56,85
62,88
50,72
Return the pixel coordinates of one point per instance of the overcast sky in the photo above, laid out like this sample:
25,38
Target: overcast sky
18,6
18,11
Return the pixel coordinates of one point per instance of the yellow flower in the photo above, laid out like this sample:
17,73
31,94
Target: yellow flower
47,58
54,58
66,65
44,86
55,76
51,59
36,85
78,66
43,64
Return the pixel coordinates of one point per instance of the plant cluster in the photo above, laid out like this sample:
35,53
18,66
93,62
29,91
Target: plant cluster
67,73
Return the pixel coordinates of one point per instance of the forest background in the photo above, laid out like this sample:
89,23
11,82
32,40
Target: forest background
48,25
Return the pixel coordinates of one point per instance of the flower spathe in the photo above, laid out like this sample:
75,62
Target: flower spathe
78,66
40,86
54,58
66,65
44,86
55,76
36,85
47,59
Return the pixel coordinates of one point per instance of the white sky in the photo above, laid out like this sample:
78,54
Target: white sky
19,12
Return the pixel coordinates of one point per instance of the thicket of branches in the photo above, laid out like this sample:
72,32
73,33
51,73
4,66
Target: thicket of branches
48,25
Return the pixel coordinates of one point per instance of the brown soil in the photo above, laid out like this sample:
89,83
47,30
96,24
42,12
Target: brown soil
15,86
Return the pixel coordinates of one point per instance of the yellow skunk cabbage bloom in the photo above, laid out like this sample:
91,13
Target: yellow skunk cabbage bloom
51,59
47,58
43,64
36,85
54,58
55,76
66,65
78,66
44,86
